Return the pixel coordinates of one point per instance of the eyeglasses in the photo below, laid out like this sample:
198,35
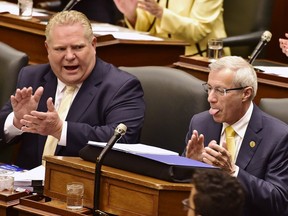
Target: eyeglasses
186,205
219,91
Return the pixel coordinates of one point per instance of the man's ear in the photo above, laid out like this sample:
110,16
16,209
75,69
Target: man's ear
247,93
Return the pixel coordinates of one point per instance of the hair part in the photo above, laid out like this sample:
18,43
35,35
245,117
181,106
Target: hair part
68,18
245,74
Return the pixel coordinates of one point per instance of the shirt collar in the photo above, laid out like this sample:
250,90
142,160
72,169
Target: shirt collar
61,86
241,125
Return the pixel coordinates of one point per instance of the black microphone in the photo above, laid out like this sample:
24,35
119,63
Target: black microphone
118,133
71,4
265,38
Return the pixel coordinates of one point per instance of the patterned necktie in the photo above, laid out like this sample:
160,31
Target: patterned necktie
230,141
51,142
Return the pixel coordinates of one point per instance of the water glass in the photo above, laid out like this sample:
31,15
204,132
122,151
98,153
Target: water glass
215,49
25,8
75,192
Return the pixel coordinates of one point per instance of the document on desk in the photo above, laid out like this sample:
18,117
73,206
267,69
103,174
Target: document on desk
278,71
157,162
121,32
28,178
136,148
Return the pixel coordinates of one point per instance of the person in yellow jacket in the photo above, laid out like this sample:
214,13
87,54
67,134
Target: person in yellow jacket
194,21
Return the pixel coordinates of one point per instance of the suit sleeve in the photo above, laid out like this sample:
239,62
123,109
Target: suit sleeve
126,106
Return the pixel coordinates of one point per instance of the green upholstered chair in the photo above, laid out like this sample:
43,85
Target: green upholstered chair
172,97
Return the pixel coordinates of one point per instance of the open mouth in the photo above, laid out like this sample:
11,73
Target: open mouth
71,67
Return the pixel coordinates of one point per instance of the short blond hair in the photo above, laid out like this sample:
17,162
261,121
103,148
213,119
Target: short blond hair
67,18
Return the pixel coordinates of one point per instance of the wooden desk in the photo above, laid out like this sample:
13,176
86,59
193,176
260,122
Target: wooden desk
122,192
269,86
8,200
38,205
28,36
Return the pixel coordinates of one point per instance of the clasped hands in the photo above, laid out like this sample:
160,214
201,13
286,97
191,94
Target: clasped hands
213,154
27,119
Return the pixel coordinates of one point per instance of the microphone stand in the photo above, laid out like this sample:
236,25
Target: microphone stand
71,4
99,161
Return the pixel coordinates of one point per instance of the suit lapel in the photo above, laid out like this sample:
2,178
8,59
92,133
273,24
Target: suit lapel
50,85
213,132
86,94
251,140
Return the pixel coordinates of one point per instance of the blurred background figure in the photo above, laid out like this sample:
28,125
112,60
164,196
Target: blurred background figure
194,21
214,193
284,44
97,10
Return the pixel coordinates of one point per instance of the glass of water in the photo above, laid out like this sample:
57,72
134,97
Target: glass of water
215,49
25,8
74,192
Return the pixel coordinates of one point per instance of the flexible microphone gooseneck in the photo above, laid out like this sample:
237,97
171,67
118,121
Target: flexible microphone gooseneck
265,38
70,5
118,133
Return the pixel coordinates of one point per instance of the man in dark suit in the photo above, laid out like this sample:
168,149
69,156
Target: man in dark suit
104,96
260,160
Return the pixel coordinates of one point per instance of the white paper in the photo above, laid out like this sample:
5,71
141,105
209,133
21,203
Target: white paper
136,148
121,32
279,71
130,36
38,173
104,27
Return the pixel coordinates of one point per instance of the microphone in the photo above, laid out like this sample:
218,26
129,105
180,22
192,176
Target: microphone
71,4
118,133
265,38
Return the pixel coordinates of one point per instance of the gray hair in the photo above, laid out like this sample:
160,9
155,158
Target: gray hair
245,74
70,17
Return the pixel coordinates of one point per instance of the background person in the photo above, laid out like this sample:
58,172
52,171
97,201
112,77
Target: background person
261,153
214,193
104,96
194,21
283,42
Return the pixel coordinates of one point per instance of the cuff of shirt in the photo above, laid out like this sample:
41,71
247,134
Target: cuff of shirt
63,137
9,129
235,173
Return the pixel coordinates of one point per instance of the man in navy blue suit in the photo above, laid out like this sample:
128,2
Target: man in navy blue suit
104,97
260,162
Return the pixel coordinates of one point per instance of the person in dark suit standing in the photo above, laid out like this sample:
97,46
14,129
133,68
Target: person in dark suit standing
260,156
104,96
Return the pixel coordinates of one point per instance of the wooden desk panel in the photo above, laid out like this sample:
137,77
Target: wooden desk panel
122,192
25,35
28,36
8,200
269,86
38,205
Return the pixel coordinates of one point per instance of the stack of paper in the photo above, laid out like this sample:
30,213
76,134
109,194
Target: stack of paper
31,180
